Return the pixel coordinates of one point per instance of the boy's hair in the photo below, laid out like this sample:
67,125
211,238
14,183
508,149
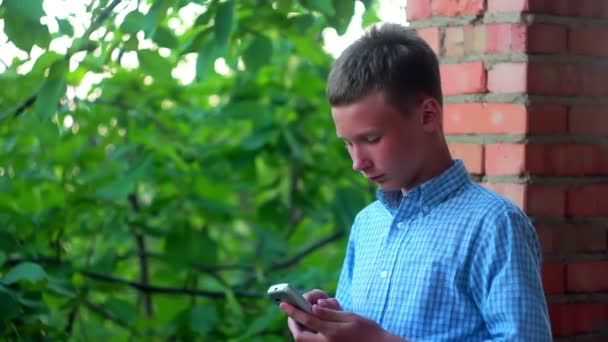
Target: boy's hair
390,58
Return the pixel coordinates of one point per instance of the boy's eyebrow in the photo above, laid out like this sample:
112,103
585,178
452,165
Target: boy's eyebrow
362,135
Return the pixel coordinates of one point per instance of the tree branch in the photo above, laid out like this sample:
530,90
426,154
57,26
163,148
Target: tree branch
292,260
295,213
307,250
100,310
71,318
168,290
144,274
103,15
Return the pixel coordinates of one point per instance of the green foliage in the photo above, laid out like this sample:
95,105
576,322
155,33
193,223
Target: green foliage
158,208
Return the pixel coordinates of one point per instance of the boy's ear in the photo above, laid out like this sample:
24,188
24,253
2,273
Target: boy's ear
431,115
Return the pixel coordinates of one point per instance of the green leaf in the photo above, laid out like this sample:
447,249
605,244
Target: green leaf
345,9
155,15
8,243
132,44
61,287
165,37
203,319
195,40
25,272
284,5
52,90
370,16
65,27
369,3
2,258
121,309
9,306
258,53
45,61
118,189
263,322
323,6
347,203
154,64
185,246
302,23
133,22
22,24
205,60
258,139
292,142
223,22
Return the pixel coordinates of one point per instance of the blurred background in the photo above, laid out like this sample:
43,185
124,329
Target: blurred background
164,162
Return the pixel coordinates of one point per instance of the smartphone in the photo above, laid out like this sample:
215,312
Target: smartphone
285,293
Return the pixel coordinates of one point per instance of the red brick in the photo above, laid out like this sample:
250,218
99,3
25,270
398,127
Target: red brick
586,8
547,236
558,7
546,159
588,200
418,9
453,41
486,39
585,41
571,238
588,119
508,78
542,38
581,238
451,8
553,79
588,276
463,78
471,155
505,159
495,118
463,118
547,118
578,8
566,159
507,5
554,278
592,80
535,199
602,8
431,36
476,39
546,200
505,37
572,319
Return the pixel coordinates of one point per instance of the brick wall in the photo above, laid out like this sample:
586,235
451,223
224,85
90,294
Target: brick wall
526,85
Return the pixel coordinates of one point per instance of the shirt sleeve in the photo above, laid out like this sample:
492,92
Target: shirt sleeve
343,294
506,280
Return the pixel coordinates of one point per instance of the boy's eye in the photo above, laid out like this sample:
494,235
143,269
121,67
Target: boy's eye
372,139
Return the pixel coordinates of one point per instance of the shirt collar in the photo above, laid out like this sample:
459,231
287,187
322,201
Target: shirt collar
430,193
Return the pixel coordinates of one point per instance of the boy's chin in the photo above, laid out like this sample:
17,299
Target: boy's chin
389,187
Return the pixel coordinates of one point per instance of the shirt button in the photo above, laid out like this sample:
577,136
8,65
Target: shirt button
400,225
383,274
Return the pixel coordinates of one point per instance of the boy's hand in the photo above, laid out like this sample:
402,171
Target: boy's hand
331,324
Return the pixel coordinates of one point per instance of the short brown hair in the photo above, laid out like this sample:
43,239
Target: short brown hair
388,57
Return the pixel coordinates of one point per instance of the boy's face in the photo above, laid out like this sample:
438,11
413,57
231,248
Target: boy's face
385,145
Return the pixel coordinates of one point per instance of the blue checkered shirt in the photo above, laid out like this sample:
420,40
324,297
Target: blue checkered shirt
450,261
